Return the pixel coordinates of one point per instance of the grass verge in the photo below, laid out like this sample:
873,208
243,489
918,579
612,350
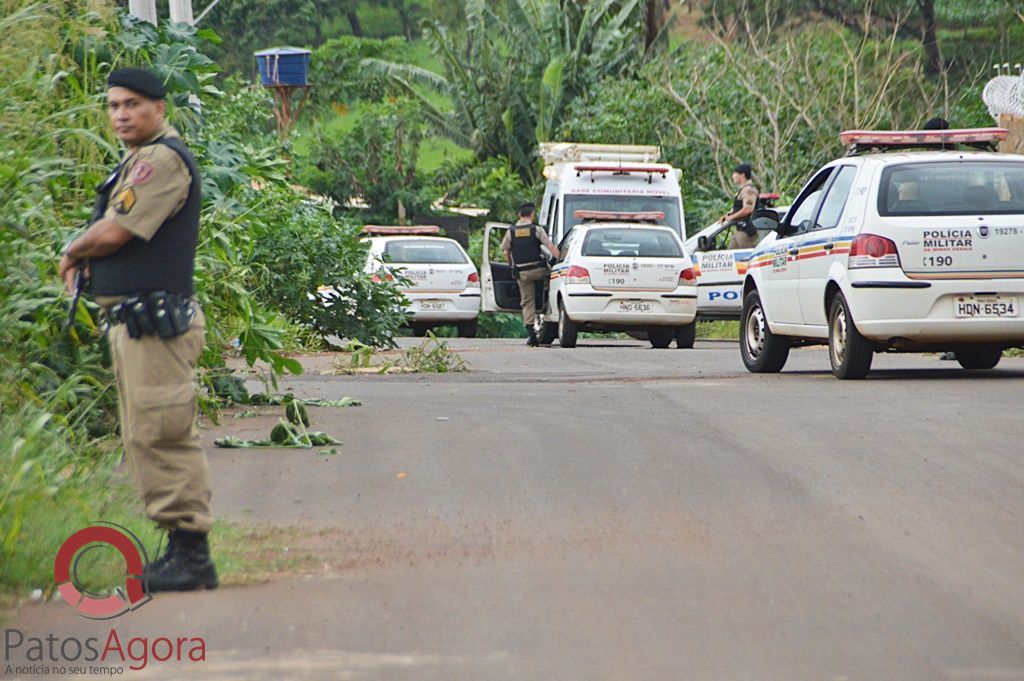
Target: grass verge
718,330
244,553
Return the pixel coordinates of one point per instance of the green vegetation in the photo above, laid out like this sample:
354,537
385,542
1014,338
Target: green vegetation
57,432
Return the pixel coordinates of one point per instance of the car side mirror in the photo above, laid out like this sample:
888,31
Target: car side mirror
765,220
703,243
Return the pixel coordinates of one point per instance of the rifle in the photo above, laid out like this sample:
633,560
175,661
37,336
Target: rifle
73,307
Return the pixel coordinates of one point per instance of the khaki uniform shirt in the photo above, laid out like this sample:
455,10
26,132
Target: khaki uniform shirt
152,186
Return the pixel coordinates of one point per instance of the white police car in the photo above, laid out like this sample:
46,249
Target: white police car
720,269
621,276
444,285
898,251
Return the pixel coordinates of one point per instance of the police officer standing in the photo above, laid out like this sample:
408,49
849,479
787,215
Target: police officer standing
743,204
522,245
139,256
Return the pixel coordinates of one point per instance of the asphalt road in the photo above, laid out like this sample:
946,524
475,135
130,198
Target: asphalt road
617,512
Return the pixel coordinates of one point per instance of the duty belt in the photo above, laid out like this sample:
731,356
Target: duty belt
165,314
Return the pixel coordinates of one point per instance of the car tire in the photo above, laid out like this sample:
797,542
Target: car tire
849,352
763,352
468,329
568,330
686,335
979,359
661,336
548,333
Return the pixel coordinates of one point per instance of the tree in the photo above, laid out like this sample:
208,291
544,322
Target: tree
375,161
908,18
518,65
251,25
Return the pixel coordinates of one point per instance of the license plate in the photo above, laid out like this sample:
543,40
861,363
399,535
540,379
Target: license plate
431,304
985,306
635,306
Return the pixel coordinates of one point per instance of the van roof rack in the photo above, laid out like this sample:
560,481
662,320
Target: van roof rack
861,141
569,152
400,230
618,216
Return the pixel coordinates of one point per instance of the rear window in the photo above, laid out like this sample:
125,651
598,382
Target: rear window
423,251
952,188
626,243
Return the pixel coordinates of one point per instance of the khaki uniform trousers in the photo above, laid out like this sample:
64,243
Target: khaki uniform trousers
157,402
741,239
528,291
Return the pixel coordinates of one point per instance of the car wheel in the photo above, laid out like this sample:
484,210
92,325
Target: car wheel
763,352
661,336
548,333
686,335
979,359
849,352
468,329
568,330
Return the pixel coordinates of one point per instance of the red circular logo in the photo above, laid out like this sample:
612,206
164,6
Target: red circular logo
65,571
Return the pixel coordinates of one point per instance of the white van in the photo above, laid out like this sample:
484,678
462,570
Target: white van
582,178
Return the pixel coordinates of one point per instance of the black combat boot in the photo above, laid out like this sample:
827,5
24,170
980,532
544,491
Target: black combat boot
168,552
531,337
186,566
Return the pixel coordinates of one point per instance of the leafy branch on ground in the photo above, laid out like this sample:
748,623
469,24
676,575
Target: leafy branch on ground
432,356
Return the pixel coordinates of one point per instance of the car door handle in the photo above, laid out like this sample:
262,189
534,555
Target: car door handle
794,251
829,246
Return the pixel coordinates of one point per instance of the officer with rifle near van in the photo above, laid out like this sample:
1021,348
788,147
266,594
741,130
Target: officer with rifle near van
138,257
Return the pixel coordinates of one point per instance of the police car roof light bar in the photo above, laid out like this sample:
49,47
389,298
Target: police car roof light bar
859,141
623,170
399,230
618,216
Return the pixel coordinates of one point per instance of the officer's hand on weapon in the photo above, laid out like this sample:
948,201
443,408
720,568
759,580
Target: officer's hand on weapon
68,271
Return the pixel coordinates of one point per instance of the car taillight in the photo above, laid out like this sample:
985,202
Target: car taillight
687,276
871,250
577,275
473,280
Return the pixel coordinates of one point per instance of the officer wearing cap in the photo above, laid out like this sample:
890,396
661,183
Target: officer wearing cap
521,246
744,202
138,254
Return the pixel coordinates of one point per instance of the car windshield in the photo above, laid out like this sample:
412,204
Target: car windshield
669,205
631,242
952,188
424,251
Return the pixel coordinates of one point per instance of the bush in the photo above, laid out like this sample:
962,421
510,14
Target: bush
305,248
375,161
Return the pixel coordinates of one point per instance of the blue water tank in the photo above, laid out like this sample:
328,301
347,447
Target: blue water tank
283,66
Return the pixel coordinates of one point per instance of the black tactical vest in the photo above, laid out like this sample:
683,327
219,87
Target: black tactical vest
525,245
737,202
164,263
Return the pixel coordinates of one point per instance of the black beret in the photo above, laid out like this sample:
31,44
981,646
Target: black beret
744,169
143,81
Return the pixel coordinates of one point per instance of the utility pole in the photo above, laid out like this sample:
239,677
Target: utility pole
143,9
181,12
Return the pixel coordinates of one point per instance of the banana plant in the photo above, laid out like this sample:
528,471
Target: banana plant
515,69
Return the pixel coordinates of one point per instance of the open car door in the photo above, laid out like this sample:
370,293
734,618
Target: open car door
500,289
